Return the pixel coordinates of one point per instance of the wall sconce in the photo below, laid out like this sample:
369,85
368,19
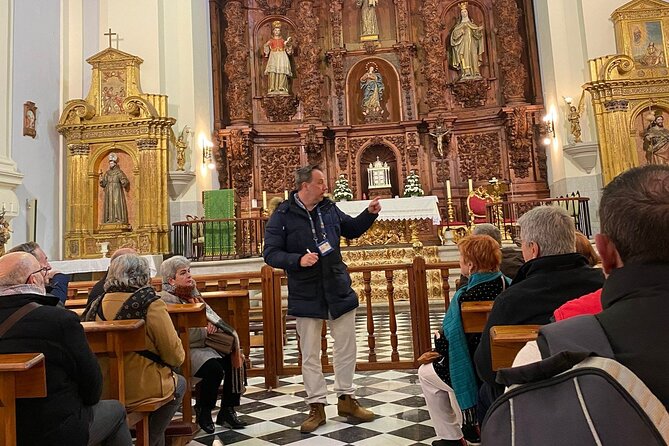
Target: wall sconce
549,128
207,155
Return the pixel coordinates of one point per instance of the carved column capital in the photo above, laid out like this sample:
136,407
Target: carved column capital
147,143
79,149
616,105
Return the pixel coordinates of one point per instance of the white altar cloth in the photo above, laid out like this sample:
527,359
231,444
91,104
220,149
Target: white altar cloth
95,265
398,208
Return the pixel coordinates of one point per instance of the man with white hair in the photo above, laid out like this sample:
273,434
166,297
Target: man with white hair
553,273
72,412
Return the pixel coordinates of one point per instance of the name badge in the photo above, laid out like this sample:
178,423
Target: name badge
325,248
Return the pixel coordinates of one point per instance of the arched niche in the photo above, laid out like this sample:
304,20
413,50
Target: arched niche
385,16
477,14
391,95
385,153
262,33
643,116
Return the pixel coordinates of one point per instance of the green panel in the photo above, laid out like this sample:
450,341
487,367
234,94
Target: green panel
219,237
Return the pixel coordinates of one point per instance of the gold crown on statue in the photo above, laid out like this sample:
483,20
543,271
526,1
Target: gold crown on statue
463,5
276,24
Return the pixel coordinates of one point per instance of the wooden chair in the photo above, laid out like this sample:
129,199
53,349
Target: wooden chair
475,315
507,340
22,375
113,339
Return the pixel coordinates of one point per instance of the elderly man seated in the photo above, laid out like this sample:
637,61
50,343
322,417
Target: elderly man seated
553,273
72,412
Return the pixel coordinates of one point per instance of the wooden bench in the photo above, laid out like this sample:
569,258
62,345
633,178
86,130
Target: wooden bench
113,339
22,375
184,317
507,340
71,304
475,315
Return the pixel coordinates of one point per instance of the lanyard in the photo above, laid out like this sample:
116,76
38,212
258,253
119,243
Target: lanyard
311,221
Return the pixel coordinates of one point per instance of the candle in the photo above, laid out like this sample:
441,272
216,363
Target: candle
264,199
285,194
254,203
471,185
448,189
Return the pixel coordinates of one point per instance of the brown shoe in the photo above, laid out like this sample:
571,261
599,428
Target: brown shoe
316,418
349,407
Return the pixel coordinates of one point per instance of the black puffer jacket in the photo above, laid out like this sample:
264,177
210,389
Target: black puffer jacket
325,288
73,375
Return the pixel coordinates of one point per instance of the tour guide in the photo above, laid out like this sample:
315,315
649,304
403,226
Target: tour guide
302,237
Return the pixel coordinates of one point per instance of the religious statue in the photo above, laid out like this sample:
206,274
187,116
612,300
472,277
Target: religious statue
656,141
369,25
115,183
5,232
467,46
371,84
439,133
181,145
574,118
278,69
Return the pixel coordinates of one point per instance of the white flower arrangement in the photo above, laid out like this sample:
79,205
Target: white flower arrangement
412,186
342,191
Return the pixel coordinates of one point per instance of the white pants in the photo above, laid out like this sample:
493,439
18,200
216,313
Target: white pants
342,331
441,403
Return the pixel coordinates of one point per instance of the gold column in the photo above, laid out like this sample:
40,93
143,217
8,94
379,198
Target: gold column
80,216
622,153
150,204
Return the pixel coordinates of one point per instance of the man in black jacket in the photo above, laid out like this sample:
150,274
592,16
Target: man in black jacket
553,274
302,237
71,413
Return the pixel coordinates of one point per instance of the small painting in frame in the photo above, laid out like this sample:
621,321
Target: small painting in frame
29,119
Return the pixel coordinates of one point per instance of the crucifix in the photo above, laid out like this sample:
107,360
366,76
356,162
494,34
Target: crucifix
110,34
439,132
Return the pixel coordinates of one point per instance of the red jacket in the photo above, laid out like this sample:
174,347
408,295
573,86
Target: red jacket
587,304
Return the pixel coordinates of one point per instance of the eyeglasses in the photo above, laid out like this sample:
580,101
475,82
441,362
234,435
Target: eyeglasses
43,270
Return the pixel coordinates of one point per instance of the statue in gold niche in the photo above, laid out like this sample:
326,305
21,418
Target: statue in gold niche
115,183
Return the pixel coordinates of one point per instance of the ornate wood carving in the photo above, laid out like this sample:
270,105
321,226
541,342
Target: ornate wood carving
519,135
510,44
240,159
236,64
435,54
399,141
443,170
277,165
336,7
309,61
280,108
336,59
402,20
370,47
412,147
406,51
279,9
342,153
479,155
470,92
313,146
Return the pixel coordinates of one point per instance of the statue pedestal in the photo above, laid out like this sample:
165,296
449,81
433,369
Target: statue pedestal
381,192
114,227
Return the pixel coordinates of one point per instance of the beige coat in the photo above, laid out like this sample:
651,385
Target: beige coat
145,380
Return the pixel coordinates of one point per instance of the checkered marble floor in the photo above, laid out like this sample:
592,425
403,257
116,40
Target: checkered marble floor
274,416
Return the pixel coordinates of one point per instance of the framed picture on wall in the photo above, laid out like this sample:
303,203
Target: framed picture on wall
29,119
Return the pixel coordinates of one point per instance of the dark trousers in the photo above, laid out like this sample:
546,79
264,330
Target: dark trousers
212,373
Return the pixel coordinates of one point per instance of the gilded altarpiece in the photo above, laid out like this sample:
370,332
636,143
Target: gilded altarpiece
376,83
117,141
630,90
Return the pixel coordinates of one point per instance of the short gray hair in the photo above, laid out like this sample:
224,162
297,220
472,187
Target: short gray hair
550,227
128,271
304,174
488,229
169,268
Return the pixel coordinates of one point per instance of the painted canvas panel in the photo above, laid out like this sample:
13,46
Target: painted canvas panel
647,44
113,91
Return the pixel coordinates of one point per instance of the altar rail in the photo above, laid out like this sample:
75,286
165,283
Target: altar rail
505,214
219,239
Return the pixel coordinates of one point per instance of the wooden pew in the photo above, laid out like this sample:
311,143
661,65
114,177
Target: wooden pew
22,375
185,317
475,315
75,303
507,340
80,290
112,339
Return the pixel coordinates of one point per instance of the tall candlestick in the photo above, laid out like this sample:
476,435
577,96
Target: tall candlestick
285,194
264,199
448,188
471,185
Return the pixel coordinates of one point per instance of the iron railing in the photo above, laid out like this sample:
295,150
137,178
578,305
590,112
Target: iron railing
219,239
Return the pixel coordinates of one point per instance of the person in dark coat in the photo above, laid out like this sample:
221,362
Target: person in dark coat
72,412
552,275
302,237
57,282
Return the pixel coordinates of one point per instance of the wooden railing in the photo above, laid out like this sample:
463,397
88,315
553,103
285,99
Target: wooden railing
505,214
219,239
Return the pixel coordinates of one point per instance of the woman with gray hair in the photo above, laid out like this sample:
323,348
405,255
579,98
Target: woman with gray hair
208,364
149,373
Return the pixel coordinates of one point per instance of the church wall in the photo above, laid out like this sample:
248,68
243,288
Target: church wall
36,77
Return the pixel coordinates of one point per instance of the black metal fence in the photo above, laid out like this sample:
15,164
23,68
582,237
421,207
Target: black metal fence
219,239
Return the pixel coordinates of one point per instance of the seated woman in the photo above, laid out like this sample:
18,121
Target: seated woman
207,363
148,374
447,375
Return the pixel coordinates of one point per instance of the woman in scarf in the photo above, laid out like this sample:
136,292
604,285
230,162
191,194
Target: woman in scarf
447,375
208,364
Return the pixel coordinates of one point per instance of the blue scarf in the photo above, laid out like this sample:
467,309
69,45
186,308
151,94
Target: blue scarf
463,377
